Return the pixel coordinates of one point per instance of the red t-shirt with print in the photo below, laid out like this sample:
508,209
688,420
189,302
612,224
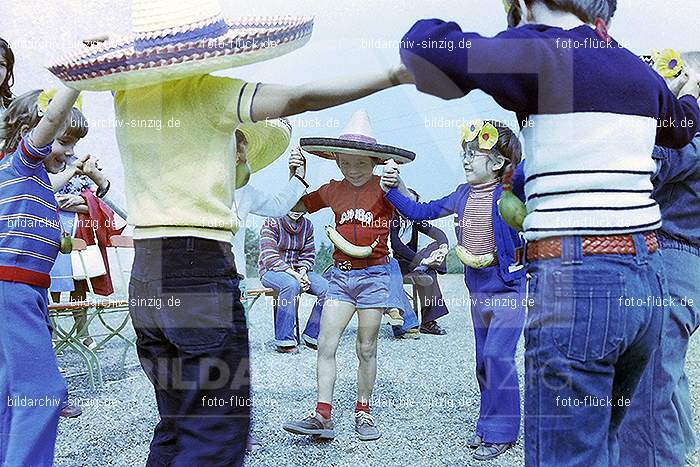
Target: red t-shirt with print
361,213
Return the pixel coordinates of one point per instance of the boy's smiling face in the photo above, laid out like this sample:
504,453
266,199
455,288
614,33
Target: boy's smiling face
61,153
356,169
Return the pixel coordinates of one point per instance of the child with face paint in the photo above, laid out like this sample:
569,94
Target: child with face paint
494,281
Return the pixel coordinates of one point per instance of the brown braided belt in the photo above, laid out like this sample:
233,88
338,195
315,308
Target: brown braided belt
550,248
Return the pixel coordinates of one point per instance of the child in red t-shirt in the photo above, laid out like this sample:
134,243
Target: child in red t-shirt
359,280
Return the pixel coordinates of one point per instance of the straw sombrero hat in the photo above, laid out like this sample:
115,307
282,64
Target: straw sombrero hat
357,140
267,141
172,39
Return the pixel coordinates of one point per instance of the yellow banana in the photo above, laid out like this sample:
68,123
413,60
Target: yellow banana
348,248
473,261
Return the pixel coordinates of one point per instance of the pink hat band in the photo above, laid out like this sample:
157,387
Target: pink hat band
358,138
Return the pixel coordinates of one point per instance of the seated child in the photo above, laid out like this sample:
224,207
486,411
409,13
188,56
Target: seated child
30,238
406,326
360,278
422,265
287,255
495,286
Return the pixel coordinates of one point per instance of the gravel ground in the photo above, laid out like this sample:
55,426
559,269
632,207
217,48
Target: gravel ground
429,398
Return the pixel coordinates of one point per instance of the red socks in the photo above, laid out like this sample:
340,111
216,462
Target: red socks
362,407
324,409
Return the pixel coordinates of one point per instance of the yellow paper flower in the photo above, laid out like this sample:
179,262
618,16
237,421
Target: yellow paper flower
506,5
668,63
471,130
488,137
47,95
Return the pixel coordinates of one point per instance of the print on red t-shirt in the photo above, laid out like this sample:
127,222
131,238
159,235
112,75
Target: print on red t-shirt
361,213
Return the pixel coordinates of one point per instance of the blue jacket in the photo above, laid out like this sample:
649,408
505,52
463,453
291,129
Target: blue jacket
677,190
507,239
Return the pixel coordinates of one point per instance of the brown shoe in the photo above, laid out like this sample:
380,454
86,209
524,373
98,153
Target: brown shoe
432,327
71,411
291,349
313,425
365,427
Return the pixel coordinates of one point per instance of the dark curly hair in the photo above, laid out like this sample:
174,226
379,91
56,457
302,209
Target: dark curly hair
5,92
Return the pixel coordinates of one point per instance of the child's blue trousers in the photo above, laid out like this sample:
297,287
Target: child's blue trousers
32,389
498,314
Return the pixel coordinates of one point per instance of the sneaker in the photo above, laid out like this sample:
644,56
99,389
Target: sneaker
311,346
488,451
71,411
432,327
365,428
412,333
394,317
475,442
290,349
313,425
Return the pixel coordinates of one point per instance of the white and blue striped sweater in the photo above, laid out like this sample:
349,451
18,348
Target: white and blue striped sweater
29,230
591,111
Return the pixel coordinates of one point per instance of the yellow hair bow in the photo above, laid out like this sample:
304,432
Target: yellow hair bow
47,95
486,133
668,63
506,5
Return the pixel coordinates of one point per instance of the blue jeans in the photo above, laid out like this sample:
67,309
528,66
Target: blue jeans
658,429
498,314
32,389
399,299
289,294
192,342
593,324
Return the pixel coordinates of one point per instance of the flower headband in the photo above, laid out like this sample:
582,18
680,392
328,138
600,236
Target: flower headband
47,95
486,133
667,63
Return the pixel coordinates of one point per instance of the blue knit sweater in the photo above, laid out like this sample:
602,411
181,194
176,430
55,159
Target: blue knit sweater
29,230
590,111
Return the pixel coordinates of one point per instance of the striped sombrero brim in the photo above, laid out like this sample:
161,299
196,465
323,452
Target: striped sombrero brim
328,147
143,60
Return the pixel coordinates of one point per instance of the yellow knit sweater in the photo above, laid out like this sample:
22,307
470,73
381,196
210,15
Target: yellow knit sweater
175,140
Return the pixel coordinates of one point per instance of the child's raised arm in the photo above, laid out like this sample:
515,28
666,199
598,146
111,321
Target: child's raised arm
423,211
276,100
54,118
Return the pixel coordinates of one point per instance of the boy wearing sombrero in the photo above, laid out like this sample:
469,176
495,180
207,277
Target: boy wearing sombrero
360,278
180,189
591,247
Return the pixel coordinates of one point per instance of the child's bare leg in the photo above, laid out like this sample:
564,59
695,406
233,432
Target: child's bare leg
369,320
334,319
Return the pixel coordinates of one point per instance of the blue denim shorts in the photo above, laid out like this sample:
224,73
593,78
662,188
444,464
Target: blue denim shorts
365,288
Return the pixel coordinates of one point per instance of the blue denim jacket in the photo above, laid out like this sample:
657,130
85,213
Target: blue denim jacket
677,190
507,239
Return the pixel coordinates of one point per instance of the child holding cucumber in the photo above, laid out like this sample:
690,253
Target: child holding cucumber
30,238
487,247
360,278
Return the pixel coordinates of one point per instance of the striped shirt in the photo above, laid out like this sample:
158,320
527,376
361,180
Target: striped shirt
591,114
29,230
285,244
477,222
